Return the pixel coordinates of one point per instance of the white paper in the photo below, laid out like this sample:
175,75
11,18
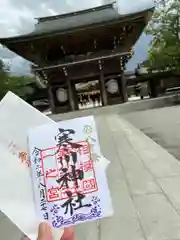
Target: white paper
69,181
16,117
12,194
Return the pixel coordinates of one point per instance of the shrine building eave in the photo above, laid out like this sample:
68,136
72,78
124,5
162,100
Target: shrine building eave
71,27
65,25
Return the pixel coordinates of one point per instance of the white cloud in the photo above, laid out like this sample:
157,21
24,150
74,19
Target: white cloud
12,19
133,6
17,16
19,66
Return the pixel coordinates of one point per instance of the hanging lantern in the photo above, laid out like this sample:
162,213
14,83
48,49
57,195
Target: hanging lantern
62,95
112,86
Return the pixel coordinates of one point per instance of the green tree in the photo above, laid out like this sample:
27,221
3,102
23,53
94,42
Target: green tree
20,85
3,79
164,53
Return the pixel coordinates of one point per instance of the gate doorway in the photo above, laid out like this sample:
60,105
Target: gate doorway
88,94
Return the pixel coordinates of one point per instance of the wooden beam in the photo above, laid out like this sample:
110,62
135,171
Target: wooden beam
85,78
110,76
79,71
108,56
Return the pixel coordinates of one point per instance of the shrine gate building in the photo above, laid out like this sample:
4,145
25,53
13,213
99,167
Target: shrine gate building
88,45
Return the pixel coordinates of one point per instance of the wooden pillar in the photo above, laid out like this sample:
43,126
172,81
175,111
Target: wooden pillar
75,96
70,94
103,88
153,90
123,88
51,100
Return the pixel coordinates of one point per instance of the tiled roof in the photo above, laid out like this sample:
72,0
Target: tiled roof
77,19
70,22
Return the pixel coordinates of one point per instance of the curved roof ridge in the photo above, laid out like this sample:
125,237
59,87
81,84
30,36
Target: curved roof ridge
94,9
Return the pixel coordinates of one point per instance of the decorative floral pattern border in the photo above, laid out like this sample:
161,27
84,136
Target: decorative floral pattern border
60,221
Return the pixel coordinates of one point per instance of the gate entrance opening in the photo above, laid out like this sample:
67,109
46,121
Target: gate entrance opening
88,94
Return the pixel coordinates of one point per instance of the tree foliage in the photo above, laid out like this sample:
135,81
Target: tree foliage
164,53
20,85
3,79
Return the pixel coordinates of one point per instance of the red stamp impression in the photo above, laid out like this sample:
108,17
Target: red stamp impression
72,171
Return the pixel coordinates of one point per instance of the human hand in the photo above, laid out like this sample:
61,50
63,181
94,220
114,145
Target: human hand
45,233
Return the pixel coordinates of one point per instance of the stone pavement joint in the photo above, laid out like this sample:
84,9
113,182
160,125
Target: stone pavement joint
158,181
122,135
152,154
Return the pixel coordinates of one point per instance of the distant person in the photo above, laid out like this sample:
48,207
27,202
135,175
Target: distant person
91,97
137,90
98,98
83,99
94,100
143,91
80,100
87,99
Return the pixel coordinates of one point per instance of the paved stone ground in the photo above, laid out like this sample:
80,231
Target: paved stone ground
144,181
162,125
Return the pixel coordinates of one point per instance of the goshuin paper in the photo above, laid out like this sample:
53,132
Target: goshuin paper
69,182
16,117
15,120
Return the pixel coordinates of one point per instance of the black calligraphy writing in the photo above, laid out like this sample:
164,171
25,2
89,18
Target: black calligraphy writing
71,204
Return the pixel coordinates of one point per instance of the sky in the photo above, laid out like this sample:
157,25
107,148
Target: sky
18,17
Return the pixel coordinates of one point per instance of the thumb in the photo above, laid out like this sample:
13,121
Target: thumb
69,234
45,232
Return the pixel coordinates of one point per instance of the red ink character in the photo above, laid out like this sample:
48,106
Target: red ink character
23,156
69,148
68,177
53,194
65,190
64,180
88,166
60,153
59,159
89,185
84,149
51,173
76,174
47,153
63,157
81,166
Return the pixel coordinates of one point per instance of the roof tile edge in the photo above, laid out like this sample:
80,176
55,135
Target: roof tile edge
101,7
